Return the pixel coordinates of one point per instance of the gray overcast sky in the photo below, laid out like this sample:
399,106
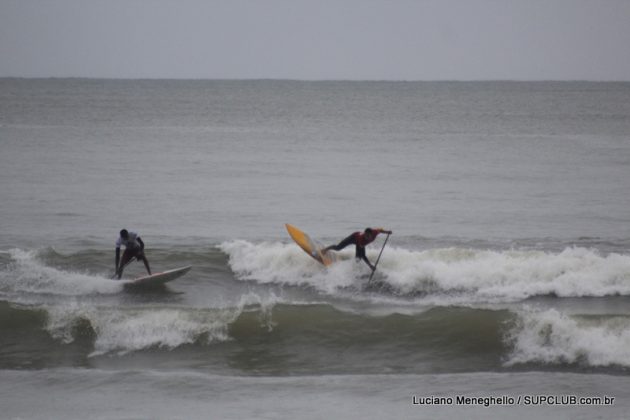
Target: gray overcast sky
317,39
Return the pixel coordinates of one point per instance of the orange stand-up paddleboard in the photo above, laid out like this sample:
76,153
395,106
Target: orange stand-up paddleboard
309,246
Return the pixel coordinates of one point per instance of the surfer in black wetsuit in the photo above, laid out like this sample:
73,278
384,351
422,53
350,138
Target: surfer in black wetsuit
134,248
360,239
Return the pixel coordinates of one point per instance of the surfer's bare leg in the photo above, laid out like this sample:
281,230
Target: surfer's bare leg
145,261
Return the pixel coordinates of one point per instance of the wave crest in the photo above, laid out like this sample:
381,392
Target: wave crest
552,337
469,274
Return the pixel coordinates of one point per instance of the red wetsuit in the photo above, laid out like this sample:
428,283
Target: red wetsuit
360,240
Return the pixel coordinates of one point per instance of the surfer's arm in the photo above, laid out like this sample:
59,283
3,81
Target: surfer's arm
141,243
381,230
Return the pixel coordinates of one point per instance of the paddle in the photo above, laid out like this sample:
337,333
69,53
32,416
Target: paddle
121,268
379,257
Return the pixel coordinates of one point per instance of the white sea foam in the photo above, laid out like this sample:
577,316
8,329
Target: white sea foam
287,264
553,337
463,275
27,273
509,275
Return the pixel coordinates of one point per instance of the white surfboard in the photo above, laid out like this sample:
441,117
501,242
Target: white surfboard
157,279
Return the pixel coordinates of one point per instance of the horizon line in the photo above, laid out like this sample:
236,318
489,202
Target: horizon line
271,79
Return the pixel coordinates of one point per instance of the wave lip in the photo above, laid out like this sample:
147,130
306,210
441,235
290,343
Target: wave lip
554,338
127,329
124,330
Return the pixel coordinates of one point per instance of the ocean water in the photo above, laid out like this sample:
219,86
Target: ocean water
503,291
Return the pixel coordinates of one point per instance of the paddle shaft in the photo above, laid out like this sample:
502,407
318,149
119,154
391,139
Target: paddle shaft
379,257
126,264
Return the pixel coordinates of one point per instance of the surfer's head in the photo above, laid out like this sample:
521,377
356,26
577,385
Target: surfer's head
124,234
368,233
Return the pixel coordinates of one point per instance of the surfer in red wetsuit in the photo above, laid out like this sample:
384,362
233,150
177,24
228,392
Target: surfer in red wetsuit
360,239
134,248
